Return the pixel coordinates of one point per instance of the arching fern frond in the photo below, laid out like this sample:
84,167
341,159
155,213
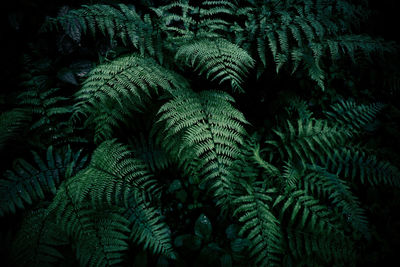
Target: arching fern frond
219,59
205,128
50,113
150,152
214,18
308,248
122,23
112,177
356,164
305,33
129,81
328,185
352,115
308,141
183,21
260,225
149,230
100,236
36,241
27,183
11,123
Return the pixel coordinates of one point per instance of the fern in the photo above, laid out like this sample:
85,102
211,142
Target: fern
82,198
261,226
311,249
149,230
112,177
183,22
100,236
50,113
308,141
207,127
284,191
122,86
26,183
357,164
306,32
37,239
150,152
339,194
219,59
353,116
122,23
11,123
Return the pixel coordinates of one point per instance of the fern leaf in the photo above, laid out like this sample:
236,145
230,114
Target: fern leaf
340,195
122,23
260,225
128,80
309,141
36,241
27,183
219,59
100,236
354,116
11,123
149,230
112,177
356,164
205,127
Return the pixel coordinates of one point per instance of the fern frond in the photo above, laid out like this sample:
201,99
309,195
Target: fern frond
122,23
100,236
219,59
11,123
112,177
213,20
303,211
27,183
150,152
357,164
129,81
352,115
293,32
308,248
50,114
205,127
149,230
308,141
260,225
339,194
36,241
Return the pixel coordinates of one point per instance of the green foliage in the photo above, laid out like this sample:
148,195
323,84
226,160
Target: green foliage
182,173
113,187
49,110
309,141
114,90
148,229
203,131
183,22
305,32
11,123
27,183
99,235
219,59
122,23
260,224
356,117
356,163
35,243
112,177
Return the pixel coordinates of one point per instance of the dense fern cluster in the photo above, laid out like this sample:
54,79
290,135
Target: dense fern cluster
156,134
